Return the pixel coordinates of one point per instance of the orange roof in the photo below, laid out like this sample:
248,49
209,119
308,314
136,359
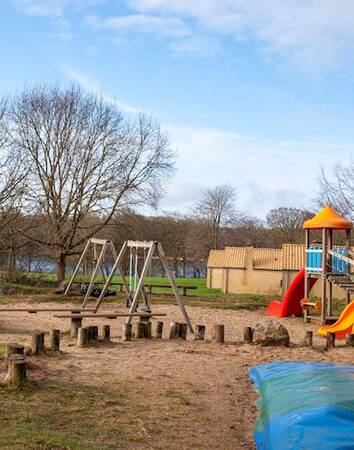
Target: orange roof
328,218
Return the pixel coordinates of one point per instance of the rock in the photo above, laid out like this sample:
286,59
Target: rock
270,332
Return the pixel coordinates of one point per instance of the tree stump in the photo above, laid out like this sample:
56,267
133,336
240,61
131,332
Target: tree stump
55,340
17,370
199,333
147,330
94,335
158,330
183,330
140,330
83,337
89,335
14,349
127,331
308,338
76,323
248,335
349,339
174,330
106,333
37,343
218,333
330,340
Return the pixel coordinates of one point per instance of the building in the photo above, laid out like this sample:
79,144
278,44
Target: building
252,270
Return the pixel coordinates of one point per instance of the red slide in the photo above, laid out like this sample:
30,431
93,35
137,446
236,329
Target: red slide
290,305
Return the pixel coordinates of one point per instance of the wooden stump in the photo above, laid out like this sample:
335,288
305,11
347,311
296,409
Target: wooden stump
140,330
330,340
94,335
174,330
76,323
17,370
127,331
349,339
308,338
183,330
106,333
199,333
14,349
147,330
158,330
55,340
83,338
218,333
248,335
89,335
37,343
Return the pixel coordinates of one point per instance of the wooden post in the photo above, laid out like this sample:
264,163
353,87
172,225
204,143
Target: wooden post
324,276
218,333
347,246
76,323
248,335
173,326
14,349
127,331
83,338
349,339
183,330
139,327
158,330
330,285
199,333
308,338
17,370
306,284
106,333
55,340
94,332
38,343
147,330
330,340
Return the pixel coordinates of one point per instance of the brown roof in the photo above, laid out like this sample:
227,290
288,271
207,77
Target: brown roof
290,257
267,258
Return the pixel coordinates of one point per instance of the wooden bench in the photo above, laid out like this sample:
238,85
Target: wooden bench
148,286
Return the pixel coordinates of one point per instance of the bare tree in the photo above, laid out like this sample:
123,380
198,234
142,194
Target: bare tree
85,161
217,208
337,188
288,222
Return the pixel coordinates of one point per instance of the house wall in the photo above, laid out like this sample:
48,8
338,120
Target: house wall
215,278
254,281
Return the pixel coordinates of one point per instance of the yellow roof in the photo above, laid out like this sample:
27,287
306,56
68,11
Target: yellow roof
328,218
267,258
293,256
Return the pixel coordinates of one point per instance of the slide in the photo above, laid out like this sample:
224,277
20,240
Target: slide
344,325
290,305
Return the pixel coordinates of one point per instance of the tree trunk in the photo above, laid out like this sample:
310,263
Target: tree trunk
61,266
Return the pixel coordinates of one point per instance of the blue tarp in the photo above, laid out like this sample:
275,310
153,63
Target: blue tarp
304,406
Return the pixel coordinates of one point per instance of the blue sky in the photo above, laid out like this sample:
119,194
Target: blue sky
257,93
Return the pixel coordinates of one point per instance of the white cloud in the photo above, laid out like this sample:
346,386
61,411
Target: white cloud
53,8
91,86
308,32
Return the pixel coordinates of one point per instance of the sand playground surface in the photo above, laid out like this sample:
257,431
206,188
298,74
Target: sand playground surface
180,394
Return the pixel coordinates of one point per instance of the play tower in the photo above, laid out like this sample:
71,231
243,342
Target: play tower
324,261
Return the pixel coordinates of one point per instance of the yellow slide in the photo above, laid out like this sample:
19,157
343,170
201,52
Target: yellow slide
344,325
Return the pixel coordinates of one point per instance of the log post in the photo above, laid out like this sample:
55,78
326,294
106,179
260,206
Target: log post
158,330
38,343
140,329
76,323
127,331
14,349
248,335
17,370
330,340
174,330
106,333
308,338
219,333
94,334
199,333
89,335
55,340
349,339
83,338
147,330
183,330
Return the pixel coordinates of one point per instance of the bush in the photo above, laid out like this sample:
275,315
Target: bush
38,280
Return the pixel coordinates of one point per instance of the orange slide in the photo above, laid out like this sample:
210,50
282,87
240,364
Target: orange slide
344,325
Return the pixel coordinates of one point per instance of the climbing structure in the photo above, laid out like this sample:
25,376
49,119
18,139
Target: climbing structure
326,262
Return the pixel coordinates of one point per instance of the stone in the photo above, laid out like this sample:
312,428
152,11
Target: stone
270,332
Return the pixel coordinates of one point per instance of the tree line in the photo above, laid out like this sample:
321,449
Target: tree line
73,166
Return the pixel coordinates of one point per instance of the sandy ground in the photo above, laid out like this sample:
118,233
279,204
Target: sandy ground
216,407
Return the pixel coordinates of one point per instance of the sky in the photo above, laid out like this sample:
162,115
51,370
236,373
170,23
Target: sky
256,94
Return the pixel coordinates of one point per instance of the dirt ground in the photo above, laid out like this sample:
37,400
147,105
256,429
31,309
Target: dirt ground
174,394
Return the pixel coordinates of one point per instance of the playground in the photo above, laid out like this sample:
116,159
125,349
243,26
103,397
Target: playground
159,371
